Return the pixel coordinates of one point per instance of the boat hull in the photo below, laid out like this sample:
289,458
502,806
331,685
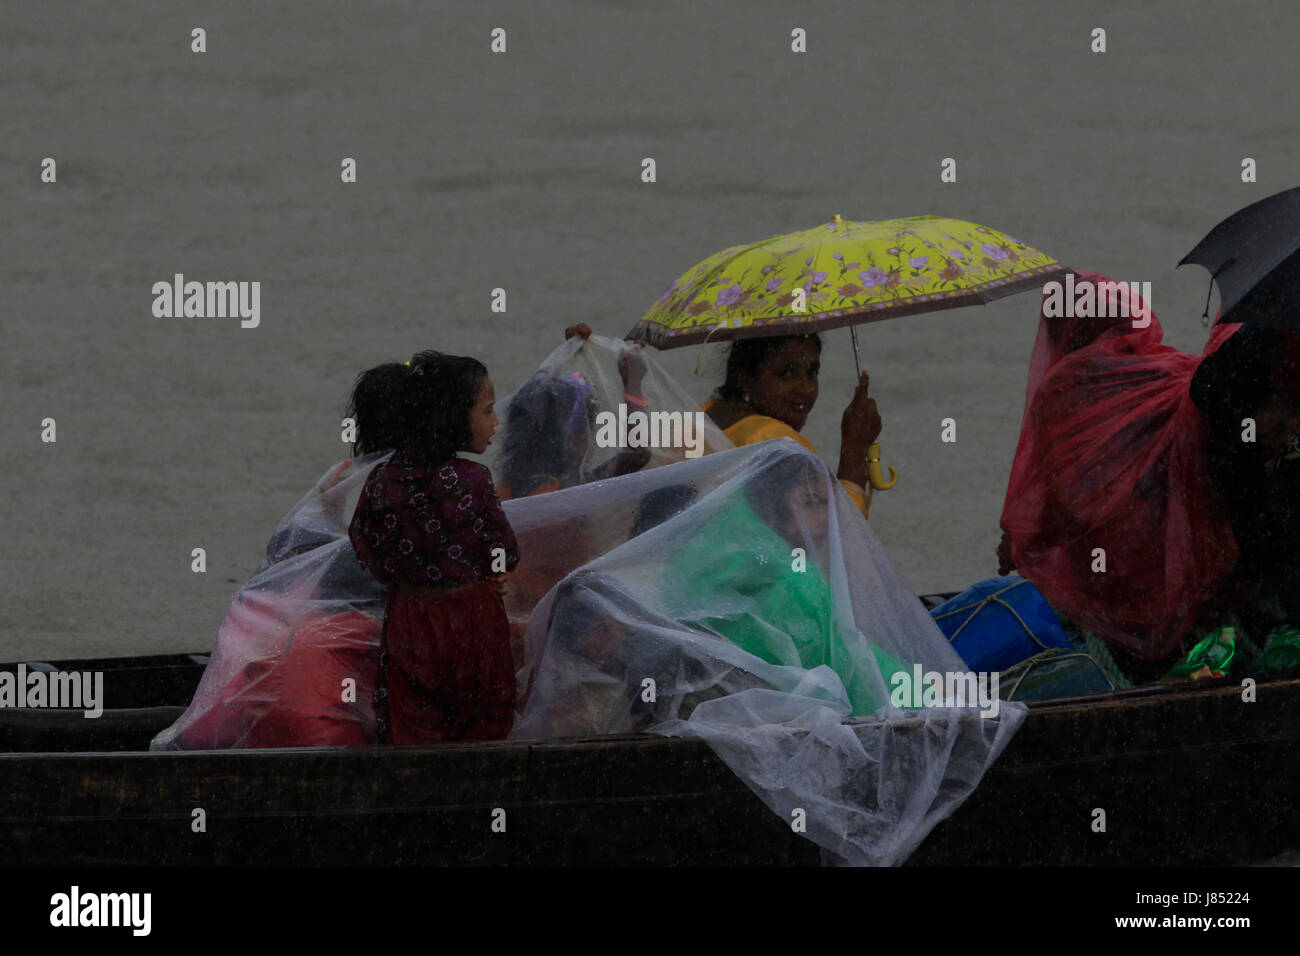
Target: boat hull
1190,775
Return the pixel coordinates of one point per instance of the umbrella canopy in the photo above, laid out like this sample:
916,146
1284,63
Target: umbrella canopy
1254,257
849,272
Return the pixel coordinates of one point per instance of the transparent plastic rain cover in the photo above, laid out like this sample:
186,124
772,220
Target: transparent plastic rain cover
552,426
770,619
738,597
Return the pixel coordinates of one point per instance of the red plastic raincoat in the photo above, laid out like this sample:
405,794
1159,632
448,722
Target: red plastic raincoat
1110,509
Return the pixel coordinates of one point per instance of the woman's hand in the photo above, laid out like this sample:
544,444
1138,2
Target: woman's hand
860,425
582,329
632,368
500,584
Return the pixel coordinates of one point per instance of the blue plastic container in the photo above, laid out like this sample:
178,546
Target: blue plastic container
999,623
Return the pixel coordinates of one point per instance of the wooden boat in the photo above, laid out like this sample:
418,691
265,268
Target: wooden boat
1185,775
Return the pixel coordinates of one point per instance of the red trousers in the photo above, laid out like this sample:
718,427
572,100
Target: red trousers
445,669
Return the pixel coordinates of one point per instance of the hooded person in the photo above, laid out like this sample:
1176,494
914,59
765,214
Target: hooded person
769,552
296,657
560,430
573,419
1110,511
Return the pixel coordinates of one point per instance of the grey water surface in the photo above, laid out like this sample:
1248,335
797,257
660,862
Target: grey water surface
522,170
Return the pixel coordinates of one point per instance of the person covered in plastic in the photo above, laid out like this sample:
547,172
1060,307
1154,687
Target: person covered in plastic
554,438
770,389
768,551
555,433
750,555
1110,511
429,527
754,608
296,657
551,421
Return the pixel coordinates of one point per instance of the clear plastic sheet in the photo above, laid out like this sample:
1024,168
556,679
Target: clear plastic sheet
311,616
547,441
744,584
551,425
305,623
755,610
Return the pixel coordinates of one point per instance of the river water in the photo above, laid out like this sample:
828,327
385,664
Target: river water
522,171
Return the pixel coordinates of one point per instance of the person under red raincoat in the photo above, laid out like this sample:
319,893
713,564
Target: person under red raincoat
1110,510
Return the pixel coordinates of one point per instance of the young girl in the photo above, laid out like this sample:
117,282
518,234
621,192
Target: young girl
430,528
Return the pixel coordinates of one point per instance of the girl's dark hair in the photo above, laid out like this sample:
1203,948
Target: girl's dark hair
747,357
376,407
440,391
424,405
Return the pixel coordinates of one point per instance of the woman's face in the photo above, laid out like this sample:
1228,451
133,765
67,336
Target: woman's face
483,419
785,387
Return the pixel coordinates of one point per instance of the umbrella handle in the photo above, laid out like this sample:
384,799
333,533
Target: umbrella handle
875,474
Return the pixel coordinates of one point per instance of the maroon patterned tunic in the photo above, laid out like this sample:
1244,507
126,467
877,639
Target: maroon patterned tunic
428,531
430,525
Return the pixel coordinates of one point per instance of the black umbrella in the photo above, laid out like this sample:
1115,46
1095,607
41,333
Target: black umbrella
1254,257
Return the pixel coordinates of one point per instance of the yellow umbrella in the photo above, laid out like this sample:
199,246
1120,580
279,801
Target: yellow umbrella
843,273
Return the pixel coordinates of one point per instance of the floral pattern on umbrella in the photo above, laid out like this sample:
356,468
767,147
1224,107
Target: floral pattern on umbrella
848,272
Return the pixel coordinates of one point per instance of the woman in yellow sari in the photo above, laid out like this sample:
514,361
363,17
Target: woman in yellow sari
770,389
